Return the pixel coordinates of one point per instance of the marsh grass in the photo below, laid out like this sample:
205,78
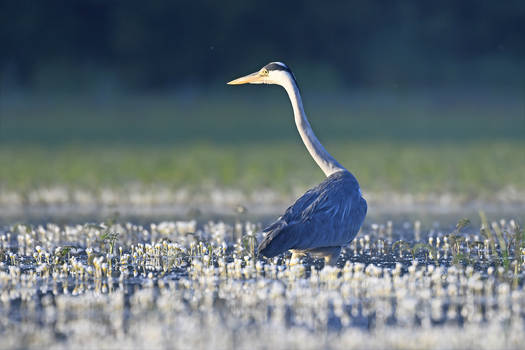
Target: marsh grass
403,141
470,170
109,238
261,116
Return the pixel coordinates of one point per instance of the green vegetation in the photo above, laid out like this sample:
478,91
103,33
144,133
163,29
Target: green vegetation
393,142
472,169
247,115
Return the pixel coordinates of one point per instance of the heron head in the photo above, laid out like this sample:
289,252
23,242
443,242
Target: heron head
272,73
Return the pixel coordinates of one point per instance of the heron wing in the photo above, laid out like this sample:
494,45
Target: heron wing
328,215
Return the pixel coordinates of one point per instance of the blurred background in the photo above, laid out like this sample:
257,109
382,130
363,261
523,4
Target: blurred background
413,97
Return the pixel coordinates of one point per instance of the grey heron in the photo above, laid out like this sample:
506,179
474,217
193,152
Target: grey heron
328,216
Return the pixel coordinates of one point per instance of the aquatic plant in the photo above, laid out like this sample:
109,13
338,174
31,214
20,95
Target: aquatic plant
187,284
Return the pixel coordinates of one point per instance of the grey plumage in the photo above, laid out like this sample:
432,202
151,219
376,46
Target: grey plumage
327,216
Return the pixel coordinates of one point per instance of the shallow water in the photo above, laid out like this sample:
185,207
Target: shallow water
407,281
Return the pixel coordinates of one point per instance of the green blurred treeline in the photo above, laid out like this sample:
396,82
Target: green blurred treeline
141,45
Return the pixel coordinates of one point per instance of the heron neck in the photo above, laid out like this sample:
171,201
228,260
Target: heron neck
326,162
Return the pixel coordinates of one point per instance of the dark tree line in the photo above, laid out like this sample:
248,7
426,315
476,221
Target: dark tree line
157,44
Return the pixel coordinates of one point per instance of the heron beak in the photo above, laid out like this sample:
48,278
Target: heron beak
250,78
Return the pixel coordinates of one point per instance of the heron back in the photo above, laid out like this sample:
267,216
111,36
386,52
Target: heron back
327,215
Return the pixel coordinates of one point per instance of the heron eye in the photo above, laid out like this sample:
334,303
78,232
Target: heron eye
264,71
